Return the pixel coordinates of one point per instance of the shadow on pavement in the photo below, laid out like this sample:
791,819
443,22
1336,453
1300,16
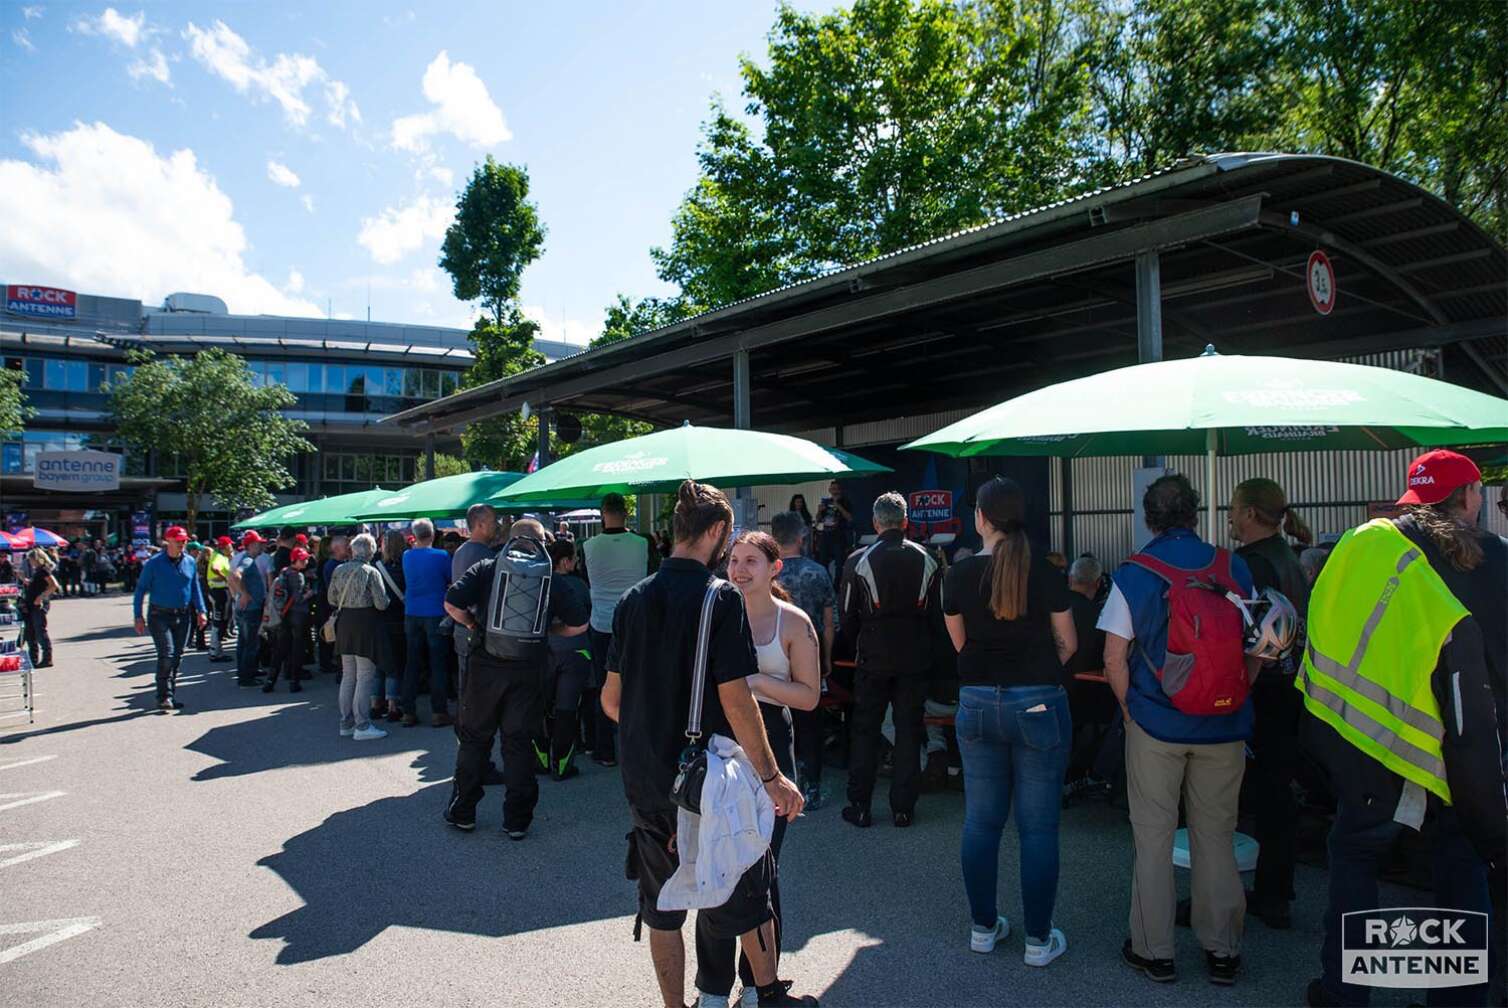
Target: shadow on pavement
358,874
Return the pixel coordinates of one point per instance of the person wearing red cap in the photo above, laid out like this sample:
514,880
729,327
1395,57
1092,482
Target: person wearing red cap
169,584
1397,677
249,589
288,620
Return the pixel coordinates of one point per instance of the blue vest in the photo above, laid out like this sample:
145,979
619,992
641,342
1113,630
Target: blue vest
1145,595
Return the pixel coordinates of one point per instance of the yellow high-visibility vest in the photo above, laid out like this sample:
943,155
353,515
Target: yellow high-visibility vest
1378,617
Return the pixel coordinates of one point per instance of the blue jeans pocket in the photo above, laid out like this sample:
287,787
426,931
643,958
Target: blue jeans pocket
968,723
1040,729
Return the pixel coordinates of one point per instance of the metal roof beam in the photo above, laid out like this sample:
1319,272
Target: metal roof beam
1086,253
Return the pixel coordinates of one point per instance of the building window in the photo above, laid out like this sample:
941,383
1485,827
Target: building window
346,472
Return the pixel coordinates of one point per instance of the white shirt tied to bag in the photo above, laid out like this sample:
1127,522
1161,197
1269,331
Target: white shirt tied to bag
727,839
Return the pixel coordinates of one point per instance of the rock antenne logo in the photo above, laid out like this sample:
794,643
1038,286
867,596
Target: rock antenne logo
1402,931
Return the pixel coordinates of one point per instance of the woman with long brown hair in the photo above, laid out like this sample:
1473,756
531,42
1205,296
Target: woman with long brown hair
1009,616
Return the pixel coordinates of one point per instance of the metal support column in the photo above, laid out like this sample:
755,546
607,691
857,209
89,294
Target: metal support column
1149,319
543,444
429,456
742,408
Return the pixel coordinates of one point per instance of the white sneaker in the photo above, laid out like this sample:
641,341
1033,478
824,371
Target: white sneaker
369,732
984,939
711,1000
1041,955
347,731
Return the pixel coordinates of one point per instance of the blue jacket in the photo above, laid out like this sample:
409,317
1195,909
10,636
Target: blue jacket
1145,595
168,584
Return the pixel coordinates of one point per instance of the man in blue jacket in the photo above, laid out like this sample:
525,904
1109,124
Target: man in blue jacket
170,585
1171,754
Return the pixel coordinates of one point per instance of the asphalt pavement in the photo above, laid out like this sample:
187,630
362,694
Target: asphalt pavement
243,853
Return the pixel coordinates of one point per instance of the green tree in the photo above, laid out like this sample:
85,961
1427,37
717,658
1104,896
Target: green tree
446,465
502,349
13,409
227,432
496,234
879,127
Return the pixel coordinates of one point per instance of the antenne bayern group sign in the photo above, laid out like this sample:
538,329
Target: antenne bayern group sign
86,471
41,302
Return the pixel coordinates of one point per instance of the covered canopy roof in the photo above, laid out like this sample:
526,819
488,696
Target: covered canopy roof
1049,294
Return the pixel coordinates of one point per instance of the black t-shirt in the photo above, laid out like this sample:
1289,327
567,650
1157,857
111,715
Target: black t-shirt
654,649
473,590
1090,657
1018,652
1273,565
35,587
574,596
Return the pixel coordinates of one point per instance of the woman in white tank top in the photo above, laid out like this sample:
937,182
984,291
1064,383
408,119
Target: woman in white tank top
784,641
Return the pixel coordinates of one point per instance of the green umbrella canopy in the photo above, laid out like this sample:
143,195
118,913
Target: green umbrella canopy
659,462
1234,404
337,510
446,497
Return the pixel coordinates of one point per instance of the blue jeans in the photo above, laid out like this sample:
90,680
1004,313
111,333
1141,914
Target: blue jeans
170,630
248,627
1012,753
1359,845
425,639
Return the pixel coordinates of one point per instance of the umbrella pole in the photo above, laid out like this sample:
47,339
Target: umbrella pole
1210,509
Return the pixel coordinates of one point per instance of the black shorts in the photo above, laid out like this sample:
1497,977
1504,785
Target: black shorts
651,862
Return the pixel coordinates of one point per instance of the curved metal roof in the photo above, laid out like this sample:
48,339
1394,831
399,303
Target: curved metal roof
1017,301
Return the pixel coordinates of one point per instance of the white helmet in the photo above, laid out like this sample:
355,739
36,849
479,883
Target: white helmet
1272,625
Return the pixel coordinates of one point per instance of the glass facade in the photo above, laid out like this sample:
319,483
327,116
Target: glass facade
347,472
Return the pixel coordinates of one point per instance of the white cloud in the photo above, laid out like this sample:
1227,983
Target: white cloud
397,231
308,202
227,55
113,25
282,175
463,108
295,282
564,330
103,212
154,65
31,12
22,38
442,175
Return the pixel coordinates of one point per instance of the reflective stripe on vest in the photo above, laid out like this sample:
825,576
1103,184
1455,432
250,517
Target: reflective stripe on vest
1379,697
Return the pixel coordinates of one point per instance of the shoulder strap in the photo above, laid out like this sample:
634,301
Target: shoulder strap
345,591
699,665
392,585
1159,568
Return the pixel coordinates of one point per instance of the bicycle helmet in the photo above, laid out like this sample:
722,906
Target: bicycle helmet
1272,625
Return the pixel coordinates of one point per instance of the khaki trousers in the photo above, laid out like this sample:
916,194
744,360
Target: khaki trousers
1208,777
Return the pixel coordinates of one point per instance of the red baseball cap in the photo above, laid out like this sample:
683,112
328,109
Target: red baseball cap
301,539
175,533
1436,475
251,537
225,541
297,553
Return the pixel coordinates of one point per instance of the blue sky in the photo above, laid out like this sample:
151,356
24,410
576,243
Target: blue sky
287,157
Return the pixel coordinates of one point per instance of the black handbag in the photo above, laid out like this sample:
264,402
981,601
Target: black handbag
686,789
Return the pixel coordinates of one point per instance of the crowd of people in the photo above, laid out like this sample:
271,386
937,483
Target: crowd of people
744,661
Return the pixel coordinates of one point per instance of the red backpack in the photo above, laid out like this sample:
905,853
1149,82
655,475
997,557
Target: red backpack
1204,672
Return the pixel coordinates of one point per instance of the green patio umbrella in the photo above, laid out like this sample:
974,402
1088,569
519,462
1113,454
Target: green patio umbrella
658,462
446,497
338,510
1228,405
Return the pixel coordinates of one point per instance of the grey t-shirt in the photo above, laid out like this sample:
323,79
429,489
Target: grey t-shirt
467,554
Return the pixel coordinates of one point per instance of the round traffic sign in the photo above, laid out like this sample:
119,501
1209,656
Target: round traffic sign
1319,280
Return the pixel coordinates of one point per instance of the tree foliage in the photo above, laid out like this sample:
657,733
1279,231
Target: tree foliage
13,409
501,349
898,121
446,465
496,233
228,433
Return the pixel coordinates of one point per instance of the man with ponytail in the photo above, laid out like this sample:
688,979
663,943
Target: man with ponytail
1259,518
650,664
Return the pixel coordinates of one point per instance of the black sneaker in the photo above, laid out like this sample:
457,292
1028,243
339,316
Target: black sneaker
605,759
1160,970
515,833
1223,969
571,770
165,705
465,825
903,819
857,815
783,997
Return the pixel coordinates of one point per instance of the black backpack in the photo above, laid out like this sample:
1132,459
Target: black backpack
518,615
